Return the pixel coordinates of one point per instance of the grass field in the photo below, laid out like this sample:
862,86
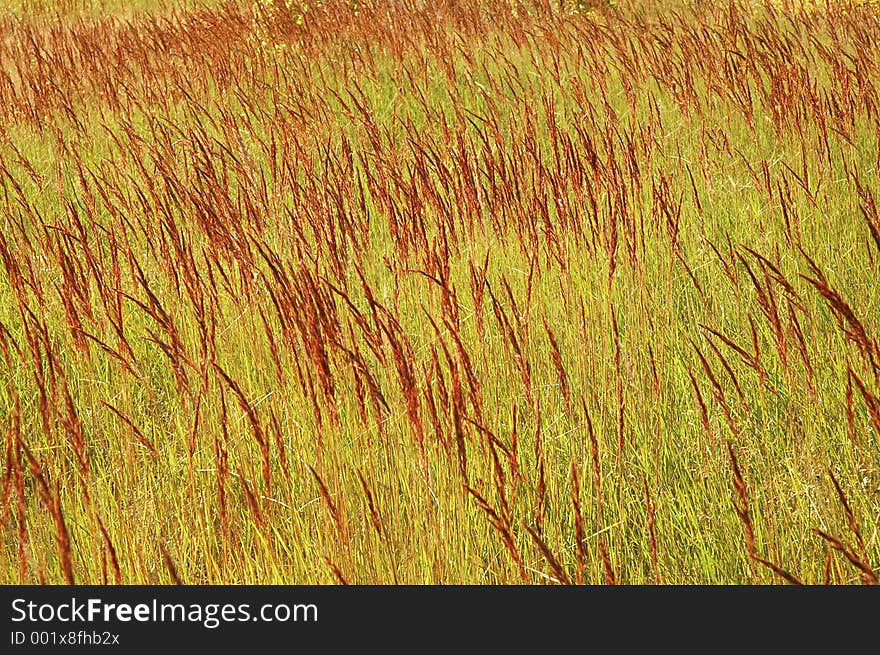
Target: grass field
439,292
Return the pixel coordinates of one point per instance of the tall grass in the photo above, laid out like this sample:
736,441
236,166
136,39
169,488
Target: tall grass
440,292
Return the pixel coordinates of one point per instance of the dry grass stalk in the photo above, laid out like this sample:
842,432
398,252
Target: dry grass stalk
742,510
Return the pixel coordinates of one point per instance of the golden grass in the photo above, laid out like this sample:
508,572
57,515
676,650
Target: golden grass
412,292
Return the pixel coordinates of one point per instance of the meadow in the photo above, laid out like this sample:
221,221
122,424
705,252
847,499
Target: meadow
402,291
